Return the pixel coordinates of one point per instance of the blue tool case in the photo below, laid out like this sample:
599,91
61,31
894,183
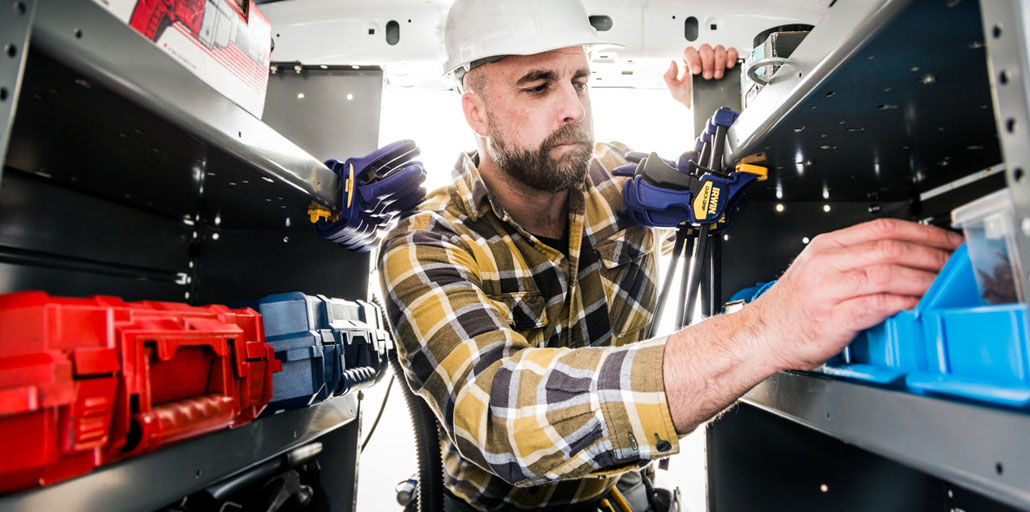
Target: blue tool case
328,347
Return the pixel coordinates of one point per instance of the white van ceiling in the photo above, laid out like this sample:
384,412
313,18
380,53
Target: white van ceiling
403,35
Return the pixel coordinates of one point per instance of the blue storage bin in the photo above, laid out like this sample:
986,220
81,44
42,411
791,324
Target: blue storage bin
298,329
979,353
883,354
950,344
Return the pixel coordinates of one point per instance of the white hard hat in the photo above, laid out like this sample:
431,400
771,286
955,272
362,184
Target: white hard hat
478,31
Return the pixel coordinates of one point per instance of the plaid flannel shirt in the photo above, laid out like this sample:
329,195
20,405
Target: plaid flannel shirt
525,355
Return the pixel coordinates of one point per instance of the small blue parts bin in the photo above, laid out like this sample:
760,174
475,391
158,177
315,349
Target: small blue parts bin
883,354
746,296
980,354
951,344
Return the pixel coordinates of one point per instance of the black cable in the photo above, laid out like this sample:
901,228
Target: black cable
427,446
378,416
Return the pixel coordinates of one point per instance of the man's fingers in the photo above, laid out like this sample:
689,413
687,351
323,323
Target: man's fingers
890,279
868,310
678,87
719,65
671,74
707,58
893,252
893,229
731,58
692,59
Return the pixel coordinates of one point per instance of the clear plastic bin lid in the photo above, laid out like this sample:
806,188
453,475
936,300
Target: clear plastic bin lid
976,211
988,226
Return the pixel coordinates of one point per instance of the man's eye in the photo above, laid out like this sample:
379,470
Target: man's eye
581,86
537,90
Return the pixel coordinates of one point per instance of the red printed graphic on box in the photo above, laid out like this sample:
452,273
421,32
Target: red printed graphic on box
215,39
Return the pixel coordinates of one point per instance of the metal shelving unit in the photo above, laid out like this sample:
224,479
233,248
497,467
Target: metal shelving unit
152,481
88,40
867,92
126,175
887,108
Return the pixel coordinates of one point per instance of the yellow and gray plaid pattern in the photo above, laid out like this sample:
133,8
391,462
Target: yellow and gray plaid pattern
526,355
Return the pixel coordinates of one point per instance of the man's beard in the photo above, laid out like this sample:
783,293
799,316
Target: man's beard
536,169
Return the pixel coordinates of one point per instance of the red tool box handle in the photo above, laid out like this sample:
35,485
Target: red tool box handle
178,419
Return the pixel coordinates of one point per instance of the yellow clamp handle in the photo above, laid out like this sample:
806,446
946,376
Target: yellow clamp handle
762,172
317,211
349,185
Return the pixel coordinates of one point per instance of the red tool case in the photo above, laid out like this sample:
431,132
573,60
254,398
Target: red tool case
84,382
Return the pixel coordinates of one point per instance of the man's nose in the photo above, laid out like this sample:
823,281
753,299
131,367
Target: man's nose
571,105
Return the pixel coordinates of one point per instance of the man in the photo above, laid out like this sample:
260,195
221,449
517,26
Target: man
518,295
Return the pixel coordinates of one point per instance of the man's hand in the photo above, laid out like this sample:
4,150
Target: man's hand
843,282
707,61
847,281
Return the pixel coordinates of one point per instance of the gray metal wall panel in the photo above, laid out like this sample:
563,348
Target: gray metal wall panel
330,113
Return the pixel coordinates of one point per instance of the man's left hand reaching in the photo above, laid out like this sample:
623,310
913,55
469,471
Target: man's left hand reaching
706,61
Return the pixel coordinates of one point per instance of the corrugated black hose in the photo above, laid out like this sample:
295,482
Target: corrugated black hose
427,444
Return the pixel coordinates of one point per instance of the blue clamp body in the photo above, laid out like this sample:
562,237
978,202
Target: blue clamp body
661,194
709,203
377,189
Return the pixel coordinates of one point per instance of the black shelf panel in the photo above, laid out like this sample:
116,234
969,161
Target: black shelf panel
982,448
105,111
882,100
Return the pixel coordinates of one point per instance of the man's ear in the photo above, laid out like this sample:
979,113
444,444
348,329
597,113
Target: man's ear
475,113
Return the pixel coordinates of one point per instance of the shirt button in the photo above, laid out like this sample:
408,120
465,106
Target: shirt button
663,445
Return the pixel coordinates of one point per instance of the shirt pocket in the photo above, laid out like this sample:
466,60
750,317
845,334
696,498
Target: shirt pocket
525,311
629,276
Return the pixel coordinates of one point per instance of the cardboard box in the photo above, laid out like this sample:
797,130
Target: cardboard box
226,43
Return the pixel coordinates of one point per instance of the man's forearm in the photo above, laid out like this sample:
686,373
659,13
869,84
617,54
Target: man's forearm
710,365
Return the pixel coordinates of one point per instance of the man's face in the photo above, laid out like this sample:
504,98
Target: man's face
538,116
